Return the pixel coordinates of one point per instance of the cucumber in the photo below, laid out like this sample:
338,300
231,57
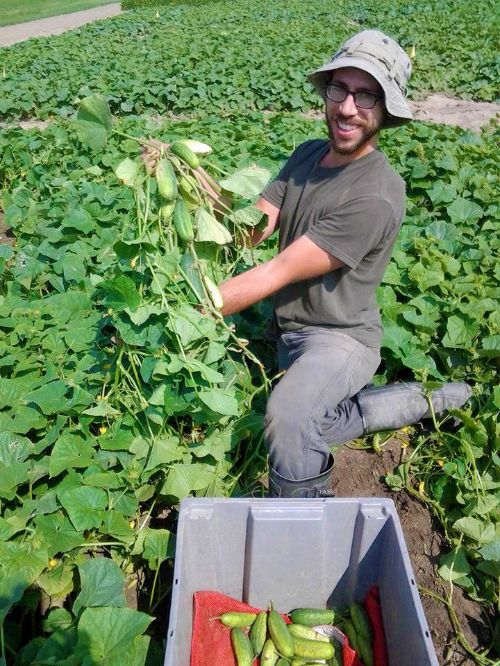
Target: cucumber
301,631
166,179
361,621
311,617
350,632
280,634
258,633
365,650
234,619
312,649
214,293
242,647
268,656
185,154
182,221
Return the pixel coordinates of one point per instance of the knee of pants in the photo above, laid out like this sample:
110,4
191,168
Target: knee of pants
285,425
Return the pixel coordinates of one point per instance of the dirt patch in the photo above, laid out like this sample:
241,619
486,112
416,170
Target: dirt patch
55,25
6,236
450,111
360,473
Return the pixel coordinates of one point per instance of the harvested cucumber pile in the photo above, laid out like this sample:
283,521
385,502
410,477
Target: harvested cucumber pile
266,635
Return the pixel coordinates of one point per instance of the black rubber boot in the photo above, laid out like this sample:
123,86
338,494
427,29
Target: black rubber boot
397,405
315,486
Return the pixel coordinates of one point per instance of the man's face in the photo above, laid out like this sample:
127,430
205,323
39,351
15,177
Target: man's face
352,129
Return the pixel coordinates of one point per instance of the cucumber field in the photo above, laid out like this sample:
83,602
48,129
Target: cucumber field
122,388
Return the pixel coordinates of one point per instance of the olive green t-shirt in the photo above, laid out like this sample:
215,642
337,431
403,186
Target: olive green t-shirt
354,212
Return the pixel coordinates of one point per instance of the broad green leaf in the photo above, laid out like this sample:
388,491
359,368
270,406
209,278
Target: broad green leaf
454,565
211,375
57,648
183,480
57,534
464,211
120,293
490,347
57,618
102,583
102,408
210,230
491,551
220,402
11,477
14,448
163,452
20,565
50,398
70,451
84,505
158,546
127,171
217,445
475,529
106,634
459,332
57,583
247,182
490,568
93,121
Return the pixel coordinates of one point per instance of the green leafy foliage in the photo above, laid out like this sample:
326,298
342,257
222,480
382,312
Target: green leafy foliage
118,397
253,63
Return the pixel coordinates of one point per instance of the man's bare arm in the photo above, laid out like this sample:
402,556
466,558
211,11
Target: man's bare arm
301,260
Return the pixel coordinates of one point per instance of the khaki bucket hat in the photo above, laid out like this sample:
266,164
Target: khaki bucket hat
384,59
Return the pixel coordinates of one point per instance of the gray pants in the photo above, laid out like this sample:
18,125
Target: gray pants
322,367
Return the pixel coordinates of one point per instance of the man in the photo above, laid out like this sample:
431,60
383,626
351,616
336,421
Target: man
338,205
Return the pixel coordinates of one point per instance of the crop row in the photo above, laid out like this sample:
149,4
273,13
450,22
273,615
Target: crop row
118,397
238,56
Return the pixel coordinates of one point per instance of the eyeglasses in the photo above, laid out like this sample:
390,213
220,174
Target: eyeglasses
362,99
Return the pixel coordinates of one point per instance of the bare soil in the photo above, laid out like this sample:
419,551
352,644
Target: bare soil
361,473
55,25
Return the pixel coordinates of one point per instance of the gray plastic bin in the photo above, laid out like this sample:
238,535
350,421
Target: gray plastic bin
297,552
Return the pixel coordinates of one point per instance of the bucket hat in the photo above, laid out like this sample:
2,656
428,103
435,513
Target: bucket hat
384,59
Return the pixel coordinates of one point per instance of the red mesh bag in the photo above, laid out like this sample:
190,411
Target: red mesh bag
211,640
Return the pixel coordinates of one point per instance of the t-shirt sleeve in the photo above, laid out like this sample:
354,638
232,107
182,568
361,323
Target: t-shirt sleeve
275,191
354,229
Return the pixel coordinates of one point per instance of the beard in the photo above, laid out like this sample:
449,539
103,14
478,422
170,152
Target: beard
369,129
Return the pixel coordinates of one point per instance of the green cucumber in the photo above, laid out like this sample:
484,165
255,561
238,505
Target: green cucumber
166,179
281,636
182,221
268,656
312,649
234,619
301,631
350,632
361,621
365,650
258,633
242,647
311,617
185,154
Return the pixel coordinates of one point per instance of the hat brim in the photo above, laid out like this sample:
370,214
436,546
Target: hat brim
398,111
